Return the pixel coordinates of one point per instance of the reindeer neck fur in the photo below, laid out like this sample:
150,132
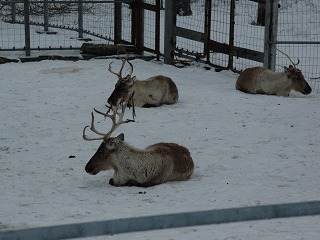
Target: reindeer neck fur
141,165
128,154
275,82
141,84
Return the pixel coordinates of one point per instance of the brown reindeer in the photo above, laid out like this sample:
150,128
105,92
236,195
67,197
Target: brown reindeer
152,92
260,80
158,163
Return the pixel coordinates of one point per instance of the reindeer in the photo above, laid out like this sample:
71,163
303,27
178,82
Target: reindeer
152,92
260,80
158,163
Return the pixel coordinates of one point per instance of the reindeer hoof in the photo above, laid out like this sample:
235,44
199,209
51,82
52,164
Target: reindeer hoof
111,182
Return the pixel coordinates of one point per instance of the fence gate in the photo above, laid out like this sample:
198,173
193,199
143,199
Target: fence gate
214,33
27,25
151,26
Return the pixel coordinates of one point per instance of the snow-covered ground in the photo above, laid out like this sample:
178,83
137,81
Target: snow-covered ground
248,150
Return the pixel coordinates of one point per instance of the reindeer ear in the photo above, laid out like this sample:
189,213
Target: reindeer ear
289,71
120,137
130,81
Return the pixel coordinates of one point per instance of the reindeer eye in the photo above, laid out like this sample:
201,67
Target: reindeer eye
110,145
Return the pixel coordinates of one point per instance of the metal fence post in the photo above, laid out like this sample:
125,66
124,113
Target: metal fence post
231,30
46,16
169,37
117,22
271,26
137,34
13,11
80,19
157,33
27,27
207,28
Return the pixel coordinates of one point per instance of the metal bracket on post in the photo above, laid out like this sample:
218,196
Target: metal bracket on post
271,28
169,36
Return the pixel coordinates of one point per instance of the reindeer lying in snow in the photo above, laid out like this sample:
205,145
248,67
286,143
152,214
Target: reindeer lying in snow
260,80
152,92
158,163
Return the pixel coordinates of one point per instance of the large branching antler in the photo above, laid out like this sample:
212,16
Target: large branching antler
294,64
119,74
117,119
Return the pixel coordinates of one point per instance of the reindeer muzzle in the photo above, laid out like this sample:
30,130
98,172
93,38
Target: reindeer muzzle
91,170
112,101
307,90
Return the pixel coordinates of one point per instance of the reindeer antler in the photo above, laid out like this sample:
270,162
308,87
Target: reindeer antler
116,117
119,74
294,65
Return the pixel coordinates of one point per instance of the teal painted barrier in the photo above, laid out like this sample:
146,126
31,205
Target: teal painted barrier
137,224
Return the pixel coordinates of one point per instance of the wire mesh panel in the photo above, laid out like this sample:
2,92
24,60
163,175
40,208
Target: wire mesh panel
126,19
194,22
220,30
61,24
10,33
299,37
248,34
232,29
151,34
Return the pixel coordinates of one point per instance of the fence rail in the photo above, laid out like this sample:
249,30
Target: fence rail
137,224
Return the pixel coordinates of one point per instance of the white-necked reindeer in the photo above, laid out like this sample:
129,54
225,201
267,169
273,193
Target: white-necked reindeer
158,163
152,92
260,80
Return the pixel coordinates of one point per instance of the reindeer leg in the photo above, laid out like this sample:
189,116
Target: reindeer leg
130,183
133,183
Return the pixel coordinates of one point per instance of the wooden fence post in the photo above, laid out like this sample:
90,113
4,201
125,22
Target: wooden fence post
80,19
138,25
27,27
117,22
261,17
169,36
271,27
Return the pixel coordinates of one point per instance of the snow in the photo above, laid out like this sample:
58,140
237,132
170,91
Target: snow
248,150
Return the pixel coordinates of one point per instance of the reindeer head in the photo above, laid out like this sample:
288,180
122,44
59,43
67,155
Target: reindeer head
299,84
123,84
102,159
